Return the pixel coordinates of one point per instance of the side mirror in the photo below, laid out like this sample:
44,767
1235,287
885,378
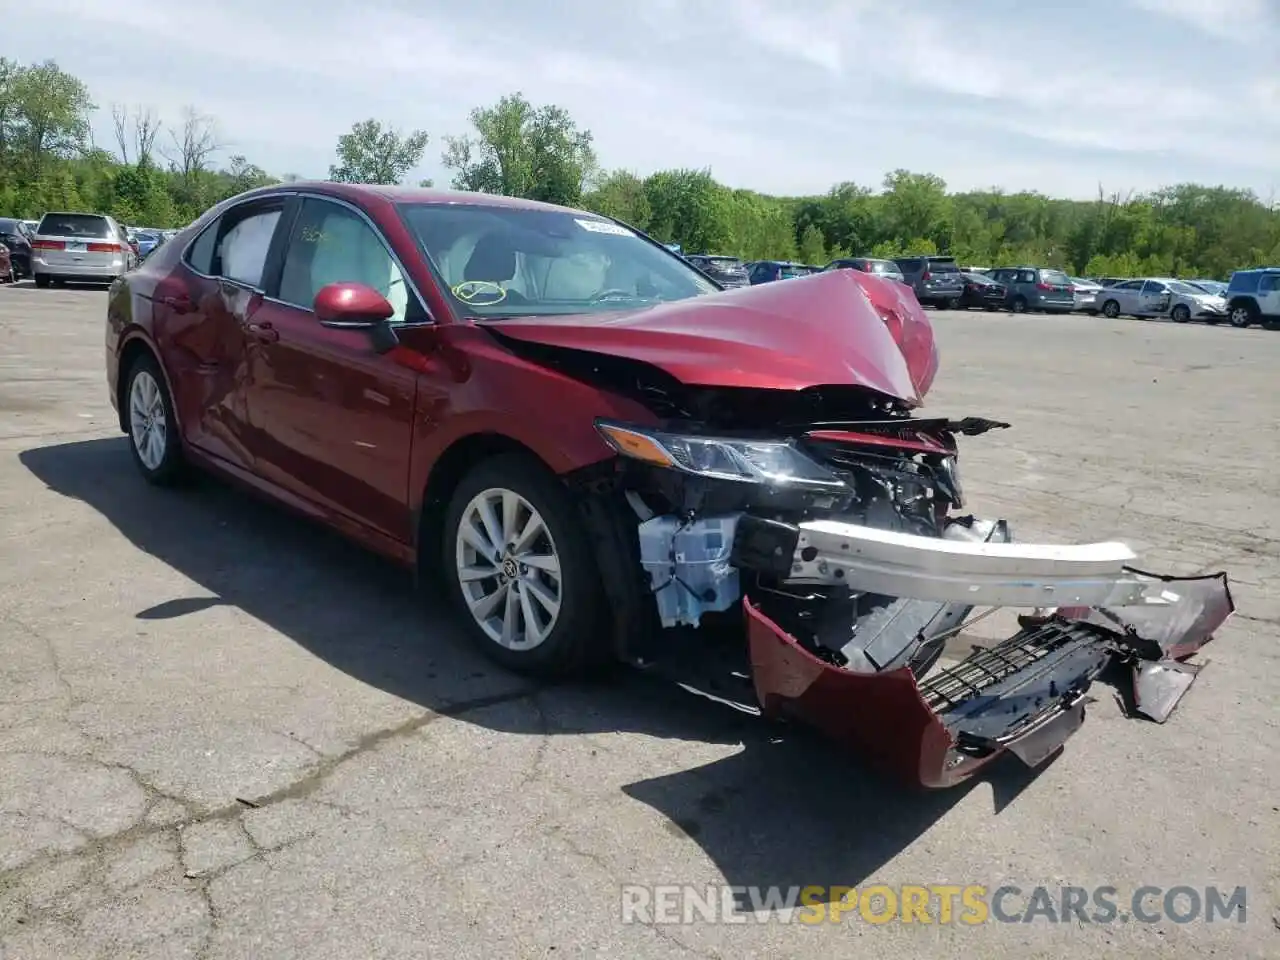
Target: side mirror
351,306
355,306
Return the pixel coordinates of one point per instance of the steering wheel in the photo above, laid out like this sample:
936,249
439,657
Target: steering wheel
614,294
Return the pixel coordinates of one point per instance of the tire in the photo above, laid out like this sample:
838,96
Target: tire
1018,305
1180,313
572,641
1242,314
951,303
157,447
42,281
1111,309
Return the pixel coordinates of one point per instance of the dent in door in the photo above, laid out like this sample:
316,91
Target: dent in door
205,348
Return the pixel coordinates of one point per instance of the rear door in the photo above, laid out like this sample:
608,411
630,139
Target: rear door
1154,298
204,312
332,420
1269,294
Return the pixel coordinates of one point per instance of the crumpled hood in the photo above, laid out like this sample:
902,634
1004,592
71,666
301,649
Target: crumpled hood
838,328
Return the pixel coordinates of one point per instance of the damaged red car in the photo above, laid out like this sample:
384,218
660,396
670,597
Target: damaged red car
604,456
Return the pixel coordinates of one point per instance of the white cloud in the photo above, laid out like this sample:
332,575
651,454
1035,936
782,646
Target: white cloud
785,98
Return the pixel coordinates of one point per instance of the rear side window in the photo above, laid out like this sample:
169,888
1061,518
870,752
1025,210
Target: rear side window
1026,276
1270,282
74,225
1244,282
200,255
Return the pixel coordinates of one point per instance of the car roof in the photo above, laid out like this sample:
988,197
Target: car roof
399,194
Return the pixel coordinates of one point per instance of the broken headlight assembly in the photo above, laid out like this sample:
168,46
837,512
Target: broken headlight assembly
776,462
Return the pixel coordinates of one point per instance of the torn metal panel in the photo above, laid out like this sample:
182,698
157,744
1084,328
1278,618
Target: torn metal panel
1159,685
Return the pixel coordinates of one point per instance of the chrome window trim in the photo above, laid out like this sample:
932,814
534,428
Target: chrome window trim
184,258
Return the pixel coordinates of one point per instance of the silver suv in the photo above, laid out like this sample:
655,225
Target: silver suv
79,246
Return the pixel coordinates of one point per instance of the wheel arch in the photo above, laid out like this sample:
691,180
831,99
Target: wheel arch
447,472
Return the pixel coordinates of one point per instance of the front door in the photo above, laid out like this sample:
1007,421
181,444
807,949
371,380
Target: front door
1155,299
331,419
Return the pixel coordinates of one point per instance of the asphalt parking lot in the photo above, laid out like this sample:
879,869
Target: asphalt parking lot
225,734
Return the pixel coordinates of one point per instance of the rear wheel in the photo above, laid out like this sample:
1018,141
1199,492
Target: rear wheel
1243,314
42,281
151,424
1180,314
520,570
1111,309
1019,305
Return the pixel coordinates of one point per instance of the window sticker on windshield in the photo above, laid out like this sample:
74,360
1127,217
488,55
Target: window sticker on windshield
603,226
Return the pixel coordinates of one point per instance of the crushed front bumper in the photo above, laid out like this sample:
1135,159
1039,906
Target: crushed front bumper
1025,695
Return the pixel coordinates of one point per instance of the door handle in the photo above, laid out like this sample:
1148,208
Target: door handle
264,332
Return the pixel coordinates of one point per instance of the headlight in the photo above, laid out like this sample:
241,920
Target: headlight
722,458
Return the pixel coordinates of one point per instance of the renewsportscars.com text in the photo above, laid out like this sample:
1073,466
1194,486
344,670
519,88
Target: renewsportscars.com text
955,904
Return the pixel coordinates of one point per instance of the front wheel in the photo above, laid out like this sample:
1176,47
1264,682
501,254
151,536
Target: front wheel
1019,305
152,426
520,569
1181,314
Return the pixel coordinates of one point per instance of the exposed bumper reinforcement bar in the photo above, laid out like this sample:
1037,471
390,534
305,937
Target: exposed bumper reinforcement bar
954,570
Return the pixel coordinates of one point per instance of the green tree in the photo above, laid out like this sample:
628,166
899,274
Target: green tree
371,153
620,194
523,151
689,208
813,248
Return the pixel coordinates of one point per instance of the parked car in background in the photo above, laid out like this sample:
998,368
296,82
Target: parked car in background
8,273
147,241
881,268
16,235
1109,281
767,271
1086,294
88,247
935,280
726,271
982,291
1162,297
1036,288
31,225
1216,287
1253,296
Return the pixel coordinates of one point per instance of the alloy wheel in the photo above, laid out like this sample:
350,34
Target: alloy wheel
148,421
508,569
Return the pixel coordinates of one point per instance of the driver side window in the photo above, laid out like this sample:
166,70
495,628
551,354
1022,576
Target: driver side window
332,244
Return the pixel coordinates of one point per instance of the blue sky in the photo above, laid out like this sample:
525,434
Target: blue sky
780,97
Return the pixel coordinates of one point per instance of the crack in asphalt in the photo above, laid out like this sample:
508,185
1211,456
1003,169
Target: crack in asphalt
299,789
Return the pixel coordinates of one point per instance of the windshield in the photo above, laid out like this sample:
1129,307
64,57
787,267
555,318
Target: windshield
504,261
74,225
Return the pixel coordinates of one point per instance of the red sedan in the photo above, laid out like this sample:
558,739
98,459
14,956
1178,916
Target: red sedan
592,444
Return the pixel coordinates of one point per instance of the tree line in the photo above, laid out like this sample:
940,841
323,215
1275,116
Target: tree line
165,172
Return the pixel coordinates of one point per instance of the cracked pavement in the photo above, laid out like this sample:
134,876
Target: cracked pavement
227,734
